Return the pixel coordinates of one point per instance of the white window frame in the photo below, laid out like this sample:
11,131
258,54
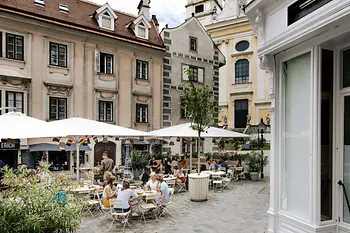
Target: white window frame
142,27
142,113
99,59
58,46
141,70
105,102
15,92
110,17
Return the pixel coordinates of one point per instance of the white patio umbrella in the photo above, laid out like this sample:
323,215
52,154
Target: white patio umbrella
185,131
16,125
77,128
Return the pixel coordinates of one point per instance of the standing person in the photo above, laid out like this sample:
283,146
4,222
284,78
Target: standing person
107,163
154,165
167,164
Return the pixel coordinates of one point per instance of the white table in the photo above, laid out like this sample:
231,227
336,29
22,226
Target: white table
214,173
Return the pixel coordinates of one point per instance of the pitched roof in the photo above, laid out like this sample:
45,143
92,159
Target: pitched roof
80,17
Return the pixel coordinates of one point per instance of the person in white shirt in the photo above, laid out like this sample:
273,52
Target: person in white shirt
124,194
152,183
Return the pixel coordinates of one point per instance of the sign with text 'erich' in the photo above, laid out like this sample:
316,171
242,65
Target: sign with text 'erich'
9,146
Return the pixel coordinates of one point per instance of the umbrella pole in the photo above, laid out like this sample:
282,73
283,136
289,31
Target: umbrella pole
191,148
77,147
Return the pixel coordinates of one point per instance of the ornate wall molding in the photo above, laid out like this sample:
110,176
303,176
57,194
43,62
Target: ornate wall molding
267,63
259,26
58,89
15,82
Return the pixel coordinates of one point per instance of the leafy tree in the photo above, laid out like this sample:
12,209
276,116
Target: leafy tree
198,103
31,206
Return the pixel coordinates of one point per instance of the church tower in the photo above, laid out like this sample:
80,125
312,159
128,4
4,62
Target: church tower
204,10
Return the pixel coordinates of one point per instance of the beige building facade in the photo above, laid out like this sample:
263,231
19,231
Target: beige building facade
79,59
244,87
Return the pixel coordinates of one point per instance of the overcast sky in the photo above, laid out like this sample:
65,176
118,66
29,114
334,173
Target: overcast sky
171,12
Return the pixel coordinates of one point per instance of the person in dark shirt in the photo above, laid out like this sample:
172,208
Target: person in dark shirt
154,165
223,164
167,164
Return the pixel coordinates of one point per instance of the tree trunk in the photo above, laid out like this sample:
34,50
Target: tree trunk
199,151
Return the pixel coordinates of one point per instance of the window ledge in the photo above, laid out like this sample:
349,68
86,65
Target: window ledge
21,63
247,83
141,123
58,69
242,53
106,77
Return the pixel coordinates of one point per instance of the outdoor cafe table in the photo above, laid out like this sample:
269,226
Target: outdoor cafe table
169,178
214,173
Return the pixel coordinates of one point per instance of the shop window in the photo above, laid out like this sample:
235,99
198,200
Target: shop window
241,112
105,111
14,47
15,101
242,71
141,113
58,108
141,69
58,54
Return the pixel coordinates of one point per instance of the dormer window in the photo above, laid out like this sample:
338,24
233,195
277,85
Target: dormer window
141,27
141,30
106,20
105,17
63,8
39,3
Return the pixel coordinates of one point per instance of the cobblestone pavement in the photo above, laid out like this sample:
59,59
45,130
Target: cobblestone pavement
240,210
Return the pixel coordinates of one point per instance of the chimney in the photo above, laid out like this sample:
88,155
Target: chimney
155,20
144,7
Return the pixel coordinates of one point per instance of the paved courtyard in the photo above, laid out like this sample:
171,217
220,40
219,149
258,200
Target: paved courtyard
242,210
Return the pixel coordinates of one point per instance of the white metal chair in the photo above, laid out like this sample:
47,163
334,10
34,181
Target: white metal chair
165,208
182,187
171,183
149,205
217,180
240,173
106,211
115,214
227,180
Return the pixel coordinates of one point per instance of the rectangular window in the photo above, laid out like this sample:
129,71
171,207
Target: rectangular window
141,31
105,111
106,63
241,112
58,54
0,44
141,69
194,72
14,101
58,108
14,47
193,44
302,8
199,8
296,136
106,22
141,113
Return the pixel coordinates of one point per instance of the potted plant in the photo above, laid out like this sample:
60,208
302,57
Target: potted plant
139,161
254,161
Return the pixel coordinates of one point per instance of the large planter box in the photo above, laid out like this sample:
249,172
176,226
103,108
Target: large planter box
198,187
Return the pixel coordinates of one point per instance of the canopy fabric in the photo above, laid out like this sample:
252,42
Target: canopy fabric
17,125
185,130
80,127
55,147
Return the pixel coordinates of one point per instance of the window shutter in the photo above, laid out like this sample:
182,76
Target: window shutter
200,75
184,72
97,61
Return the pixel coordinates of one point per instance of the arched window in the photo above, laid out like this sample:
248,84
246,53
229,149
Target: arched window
242,71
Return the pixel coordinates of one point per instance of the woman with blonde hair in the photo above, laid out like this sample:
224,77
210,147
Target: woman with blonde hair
109,191
152,183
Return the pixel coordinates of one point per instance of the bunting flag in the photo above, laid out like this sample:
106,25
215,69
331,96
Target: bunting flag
178,139
185,141
95,139
86,142
57,139
86,136
69,142
81,141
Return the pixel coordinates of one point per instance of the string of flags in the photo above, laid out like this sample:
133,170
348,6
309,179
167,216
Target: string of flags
83,141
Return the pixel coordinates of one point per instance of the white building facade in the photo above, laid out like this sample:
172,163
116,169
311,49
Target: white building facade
304,44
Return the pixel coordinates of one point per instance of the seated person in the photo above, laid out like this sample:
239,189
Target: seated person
179,174
108,192
124,195
239,164
152,183
214,166
208,163
154,165
163,188
223,164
